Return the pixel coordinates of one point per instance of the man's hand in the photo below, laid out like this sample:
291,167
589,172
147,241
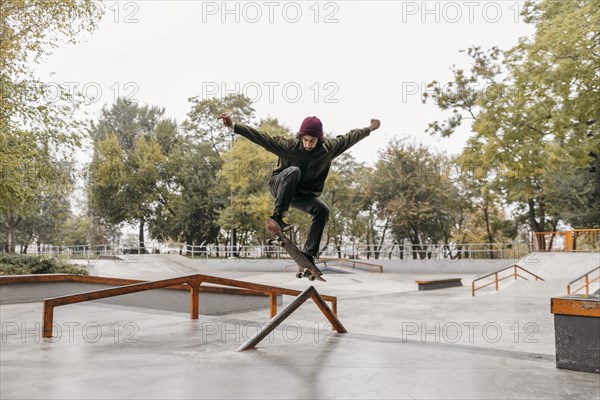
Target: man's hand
227,121
375,123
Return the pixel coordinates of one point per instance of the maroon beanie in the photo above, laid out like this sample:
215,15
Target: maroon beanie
311,126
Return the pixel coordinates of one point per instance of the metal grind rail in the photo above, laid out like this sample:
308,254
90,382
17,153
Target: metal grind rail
496,280
191,282
311,293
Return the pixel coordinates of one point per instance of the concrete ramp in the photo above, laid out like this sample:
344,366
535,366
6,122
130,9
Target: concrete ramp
560,266
557,270
148,266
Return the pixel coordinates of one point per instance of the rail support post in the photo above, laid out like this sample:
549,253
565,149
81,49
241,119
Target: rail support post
48,320
194,298
273,303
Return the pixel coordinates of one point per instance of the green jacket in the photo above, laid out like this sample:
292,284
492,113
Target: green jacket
314,164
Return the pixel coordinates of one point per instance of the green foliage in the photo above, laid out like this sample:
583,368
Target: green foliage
537,115
343,195
37,128
83,230
30,30
29,172
190,199
413,189
47,225
125,176
574,193
202,123
32,178
12,264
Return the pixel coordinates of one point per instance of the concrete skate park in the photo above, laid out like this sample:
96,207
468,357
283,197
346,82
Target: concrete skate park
401,342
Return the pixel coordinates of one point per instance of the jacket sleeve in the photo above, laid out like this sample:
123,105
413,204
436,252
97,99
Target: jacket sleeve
274,144
342,143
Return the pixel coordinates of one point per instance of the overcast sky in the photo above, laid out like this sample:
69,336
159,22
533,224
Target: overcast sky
343,61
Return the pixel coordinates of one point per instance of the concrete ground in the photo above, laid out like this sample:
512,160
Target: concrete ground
402,343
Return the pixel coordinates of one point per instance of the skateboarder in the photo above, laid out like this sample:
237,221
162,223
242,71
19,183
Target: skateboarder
302,168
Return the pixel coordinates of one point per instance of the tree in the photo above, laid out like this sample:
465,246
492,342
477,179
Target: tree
189,207
82,230
341,195
575,192
202,121
37,131
414,192
125,173
30,174
538,105
202,126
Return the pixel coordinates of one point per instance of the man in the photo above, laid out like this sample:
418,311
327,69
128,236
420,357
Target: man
302,168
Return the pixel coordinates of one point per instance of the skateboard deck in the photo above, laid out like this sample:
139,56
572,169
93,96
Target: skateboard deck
306,269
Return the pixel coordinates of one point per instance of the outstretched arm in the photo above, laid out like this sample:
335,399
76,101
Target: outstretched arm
345,142
275,145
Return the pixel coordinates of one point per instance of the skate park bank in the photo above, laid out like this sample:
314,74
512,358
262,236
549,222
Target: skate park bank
401,342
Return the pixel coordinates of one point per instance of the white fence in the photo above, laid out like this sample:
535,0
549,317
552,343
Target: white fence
452,251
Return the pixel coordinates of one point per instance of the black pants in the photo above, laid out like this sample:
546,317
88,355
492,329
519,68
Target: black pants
283,187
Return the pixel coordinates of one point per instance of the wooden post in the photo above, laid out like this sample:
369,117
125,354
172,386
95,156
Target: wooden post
496,274
194,300
334,307
273,303
335,323
568,242
48,320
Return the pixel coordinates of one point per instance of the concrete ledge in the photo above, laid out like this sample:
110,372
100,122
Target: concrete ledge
577,332
439,283
353,263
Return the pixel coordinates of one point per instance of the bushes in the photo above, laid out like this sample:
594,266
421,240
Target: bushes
14,264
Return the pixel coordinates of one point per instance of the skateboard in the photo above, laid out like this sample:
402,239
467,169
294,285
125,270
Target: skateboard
306,269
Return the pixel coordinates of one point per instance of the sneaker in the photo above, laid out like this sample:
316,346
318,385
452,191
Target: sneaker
282,224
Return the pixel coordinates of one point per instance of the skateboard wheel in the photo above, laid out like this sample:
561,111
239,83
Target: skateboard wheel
299,275
311,278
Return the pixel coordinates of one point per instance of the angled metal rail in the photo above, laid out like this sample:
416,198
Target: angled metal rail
496,280
587,282
191,282
312,293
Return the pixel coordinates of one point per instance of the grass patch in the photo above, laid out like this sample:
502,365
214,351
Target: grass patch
16,264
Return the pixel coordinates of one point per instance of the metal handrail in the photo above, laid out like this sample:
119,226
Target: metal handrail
496,280
193,282
568,241
587,282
